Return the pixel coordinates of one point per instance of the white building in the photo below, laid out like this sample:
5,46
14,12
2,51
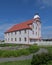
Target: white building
27,32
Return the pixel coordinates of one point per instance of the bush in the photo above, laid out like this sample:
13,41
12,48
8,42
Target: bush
41,59
33,48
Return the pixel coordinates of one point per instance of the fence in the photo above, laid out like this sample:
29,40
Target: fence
39,43
44,43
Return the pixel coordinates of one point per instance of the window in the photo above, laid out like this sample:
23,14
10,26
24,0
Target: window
25,31
39,28
11,33
20,32
33,26
33,32
8,39
11,39
36,27
15,33
25,39
36,33
19,39
7,33
15,39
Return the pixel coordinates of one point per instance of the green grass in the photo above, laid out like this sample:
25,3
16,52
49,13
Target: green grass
27,51
4,45
25,62
11,44
20,52
13,53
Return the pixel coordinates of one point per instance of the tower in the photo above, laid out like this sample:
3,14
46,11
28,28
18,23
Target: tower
37,26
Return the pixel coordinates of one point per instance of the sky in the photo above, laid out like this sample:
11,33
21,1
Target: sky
17,11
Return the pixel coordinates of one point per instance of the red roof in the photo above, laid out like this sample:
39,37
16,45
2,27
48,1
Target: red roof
23,25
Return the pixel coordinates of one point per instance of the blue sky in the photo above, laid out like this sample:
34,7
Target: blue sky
16,11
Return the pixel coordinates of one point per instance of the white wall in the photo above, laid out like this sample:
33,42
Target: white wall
17,36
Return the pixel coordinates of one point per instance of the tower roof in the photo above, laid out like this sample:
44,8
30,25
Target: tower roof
36,16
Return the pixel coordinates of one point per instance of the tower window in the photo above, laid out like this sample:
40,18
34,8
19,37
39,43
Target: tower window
36,27
33,26
33,32
36,33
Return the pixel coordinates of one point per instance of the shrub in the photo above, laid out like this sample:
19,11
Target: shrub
41,59
33,48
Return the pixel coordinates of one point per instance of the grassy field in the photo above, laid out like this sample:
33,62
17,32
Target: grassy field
20,52
11,44
32,49
27,51
7,45
25,62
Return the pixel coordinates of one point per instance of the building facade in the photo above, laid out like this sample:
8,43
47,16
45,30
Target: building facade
27,32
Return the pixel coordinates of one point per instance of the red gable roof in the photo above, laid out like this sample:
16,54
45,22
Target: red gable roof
23,25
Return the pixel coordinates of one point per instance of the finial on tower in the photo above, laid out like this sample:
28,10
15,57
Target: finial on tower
36,15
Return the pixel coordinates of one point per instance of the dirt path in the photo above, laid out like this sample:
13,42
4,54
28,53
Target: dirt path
16,58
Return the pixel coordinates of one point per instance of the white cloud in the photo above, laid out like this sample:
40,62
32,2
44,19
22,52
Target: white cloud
45,2
3,28
42,7
47,31
8,24
48,27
